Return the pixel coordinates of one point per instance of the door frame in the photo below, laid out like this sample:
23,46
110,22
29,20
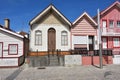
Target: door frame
50,38
106,42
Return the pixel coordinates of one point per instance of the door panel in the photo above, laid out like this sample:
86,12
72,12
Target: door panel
51,39
91,43
104,43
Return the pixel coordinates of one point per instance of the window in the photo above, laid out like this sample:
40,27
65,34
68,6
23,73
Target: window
118,23
1,49
111,23
104,23
13,49
116,42
38,37
64,38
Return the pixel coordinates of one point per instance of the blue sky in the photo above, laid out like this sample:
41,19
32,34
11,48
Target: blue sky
20,12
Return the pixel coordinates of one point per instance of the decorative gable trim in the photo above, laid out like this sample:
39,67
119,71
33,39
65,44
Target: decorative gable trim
85,14
117,3
45,11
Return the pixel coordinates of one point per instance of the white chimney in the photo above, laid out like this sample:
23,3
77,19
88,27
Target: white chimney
7,23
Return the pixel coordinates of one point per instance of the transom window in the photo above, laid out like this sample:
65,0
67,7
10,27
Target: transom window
64,38
13,49
116,42
111,24
38,37
118,23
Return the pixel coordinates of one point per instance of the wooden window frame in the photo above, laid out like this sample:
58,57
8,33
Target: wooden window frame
64,38
9,49
37,43
113,42
106,23
113,24
117,24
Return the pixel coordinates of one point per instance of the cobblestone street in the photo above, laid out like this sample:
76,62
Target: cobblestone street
109,72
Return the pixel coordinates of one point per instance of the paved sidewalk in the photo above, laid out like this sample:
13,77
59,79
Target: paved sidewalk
109,72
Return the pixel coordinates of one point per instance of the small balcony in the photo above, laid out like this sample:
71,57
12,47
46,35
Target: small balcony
110,32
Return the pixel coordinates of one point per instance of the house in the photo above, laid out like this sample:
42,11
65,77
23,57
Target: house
11,47
84,33
110,27
49,31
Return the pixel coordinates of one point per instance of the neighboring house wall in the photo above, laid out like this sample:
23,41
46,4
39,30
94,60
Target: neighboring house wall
51,21
8,39
111,34
81,31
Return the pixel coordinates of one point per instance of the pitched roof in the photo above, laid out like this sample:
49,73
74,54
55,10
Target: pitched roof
116,3
85,14
50,7
10,32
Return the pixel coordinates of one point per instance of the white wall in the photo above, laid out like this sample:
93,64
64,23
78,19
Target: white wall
44,28
10,39
8,62
116,59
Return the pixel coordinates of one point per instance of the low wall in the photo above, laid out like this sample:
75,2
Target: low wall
72,60
116,59
8,62
94,60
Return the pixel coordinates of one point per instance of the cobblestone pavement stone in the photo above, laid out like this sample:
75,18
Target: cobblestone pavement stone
109,72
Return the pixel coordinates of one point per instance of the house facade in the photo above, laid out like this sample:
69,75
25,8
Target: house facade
11,47
110,27
49,30
84,33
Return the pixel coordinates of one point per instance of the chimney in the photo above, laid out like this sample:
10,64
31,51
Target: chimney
7,23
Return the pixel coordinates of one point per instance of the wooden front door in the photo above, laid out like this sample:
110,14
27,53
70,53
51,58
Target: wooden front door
91,43
51,39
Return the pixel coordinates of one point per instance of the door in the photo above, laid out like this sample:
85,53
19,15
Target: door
51,39
104,24
104,43
1,49
91,43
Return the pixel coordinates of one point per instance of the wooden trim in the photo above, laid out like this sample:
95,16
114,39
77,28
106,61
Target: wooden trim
9,49
2,48
106,42
113,42
106,23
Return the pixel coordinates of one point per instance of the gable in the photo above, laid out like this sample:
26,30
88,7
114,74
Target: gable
50,9
50,18
84,27
114,11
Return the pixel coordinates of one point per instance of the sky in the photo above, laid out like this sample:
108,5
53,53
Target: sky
21,12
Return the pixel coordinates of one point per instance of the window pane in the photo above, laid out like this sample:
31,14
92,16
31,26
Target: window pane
104,24
38,38
118,23
64,38
13,49
111,23
116,42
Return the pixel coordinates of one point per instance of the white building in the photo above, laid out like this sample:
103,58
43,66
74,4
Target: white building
49,30
11,47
